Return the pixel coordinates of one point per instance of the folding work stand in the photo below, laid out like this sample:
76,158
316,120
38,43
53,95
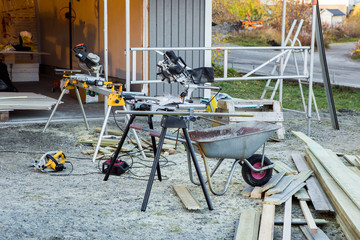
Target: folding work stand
113,101
166,122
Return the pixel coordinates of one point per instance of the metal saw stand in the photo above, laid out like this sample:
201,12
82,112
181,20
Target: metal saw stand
68,87
166,122
100,91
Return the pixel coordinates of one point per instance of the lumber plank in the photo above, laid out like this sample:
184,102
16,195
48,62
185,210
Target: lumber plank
13,97
317,195
299,161
283,183
301,221
335,167
320,235
348,232
280,198
303,175
352,160
355,170
308,217
256,192
110,131
273,181
187,198
302,194
25,101
247,191
287,220
248,226
282,167
267,222
347,211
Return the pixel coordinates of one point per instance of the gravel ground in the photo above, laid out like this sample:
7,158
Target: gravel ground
81,205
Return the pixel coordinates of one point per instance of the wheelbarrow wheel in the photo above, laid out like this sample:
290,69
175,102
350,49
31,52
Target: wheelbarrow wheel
256,178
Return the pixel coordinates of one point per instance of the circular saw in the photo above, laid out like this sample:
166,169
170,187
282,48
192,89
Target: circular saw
53,161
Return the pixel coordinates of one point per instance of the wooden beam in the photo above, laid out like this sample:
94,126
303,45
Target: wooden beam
302,194
347,211
355,170
247,191
301,221
320,235
352,160
267,222
282,167
187,198
273,181
256,193
248,225
284,182
308,216
287,220
317,195
280,198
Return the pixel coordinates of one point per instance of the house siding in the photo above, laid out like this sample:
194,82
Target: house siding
176,23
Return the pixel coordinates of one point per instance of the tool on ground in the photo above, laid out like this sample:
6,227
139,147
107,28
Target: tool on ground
51,161
119,167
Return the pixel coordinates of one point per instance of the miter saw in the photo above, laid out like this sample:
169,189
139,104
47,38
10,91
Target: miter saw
174,69
90,63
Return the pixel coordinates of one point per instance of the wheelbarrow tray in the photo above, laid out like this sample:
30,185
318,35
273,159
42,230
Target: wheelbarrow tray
236,141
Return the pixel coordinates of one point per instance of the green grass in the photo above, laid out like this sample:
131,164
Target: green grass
344,98
355,57
345,40
248,41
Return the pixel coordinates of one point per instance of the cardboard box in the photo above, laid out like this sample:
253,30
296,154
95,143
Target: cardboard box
86,98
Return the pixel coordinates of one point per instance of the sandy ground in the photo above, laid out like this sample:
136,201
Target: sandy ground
36,205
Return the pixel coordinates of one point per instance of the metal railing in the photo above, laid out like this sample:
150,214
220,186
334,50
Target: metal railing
247,76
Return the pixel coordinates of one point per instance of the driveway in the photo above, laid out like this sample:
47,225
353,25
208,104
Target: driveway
342,69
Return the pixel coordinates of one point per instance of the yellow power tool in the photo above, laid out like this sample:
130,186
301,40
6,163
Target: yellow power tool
51,161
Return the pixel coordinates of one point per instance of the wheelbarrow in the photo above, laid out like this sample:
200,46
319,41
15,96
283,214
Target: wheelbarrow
239,142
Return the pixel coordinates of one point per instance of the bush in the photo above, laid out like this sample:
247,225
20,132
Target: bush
356,52
258,37
351,26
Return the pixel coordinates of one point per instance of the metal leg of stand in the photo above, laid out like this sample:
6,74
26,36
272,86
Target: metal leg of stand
118,149
82,107
136,136
197,168
54,110
153,169
153,143
101,133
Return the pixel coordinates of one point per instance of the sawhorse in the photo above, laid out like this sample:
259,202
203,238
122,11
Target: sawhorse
166,122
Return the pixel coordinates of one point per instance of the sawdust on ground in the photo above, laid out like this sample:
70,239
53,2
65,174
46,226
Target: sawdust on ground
81,205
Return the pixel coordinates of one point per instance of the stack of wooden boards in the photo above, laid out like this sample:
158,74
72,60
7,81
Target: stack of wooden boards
109,144
340,183
10,101
280,189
